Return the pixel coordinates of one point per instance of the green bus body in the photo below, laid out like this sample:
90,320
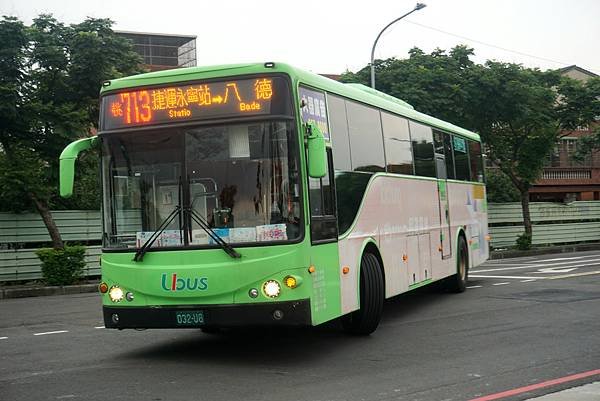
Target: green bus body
207,287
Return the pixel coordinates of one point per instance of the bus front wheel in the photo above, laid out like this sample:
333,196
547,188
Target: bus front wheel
372,293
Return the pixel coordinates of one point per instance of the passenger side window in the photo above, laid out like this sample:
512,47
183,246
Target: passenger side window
422,145
448,154
476,161
366,140
398,149
339,133
461,158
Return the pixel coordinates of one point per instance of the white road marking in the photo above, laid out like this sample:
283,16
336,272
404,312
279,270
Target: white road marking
475,286
574,275
534,266
585,263
528,281
513,277
51,332
3,338
553,270
576,257
499,270
501,283
99,327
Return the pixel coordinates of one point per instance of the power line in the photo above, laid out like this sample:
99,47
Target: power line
488,44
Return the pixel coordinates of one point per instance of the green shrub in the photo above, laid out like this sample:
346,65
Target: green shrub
499,187
62,266
524,242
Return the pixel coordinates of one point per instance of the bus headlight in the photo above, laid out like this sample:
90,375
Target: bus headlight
115,293
271,288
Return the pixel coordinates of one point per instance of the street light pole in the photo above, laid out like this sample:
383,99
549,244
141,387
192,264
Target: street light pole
417,8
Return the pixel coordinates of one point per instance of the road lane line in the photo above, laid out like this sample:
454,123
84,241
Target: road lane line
568,265
512,277
529,280
574,275
501,269
501,283
99,327
3,338
51,332
537,386
575,257
475,286
536,266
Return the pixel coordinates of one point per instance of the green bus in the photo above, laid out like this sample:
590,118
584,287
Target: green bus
261,194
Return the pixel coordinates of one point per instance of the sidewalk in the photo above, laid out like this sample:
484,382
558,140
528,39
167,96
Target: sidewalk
588,392
37,291
544,250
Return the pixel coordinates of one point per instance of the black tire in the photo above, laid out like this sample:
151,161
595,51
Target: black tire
458,282
372,293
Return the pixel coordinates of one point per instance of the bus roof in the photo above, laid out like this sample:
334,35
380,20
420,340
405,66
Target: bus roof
356,92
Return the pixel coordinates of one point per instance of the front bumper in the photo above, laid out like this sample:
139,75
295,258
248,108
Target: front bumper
291,313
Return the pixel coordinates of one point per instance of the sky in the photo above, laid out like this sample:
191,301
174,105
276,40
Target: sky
331,37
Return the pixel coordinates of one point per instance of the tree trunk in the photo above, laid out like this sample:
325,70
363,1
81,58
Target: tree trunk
525,208
44,211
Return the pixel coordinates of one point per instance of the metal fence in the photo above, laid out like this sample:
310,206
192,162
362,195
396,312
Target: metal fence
553,223
17,230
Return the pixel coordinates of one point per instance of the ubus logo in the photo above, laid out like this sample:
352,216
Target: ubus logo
175,283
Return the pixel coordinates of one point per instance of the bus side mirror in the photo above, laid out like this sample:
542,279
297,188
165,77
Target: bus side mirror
317,156
67,163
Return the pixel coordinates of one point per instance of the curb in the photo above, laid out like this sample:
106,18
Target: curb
24,292
513,253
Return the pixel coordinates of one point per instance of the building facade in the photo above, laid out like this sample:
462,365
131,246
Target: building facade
163,51
564,180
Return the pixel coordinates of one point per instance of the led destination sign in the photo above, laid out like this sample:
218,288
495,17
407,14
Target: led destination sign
191,102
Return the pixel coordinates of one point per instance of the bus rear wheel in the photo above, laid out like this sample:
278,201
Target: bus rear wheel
458,282
372,293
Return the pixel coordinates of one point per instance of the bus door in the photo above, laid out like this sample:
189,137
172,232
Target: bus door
325,301
445,240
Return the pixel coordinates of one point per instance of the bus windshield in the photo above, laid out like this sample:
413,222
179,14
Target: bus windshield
242,179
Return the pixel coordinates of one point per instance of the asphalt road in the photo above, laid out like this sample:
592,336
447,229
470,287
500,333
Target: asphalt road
523,321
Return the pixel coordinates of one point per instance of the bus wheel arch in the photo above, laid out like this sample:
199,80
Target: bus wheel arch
458,281
371,281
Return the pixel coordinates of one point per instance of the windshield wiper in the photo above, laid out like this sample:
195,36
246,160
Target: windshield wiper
139,255
215,237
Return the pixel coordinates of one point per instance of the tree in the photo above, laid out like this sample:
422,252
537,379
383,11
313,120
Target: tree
513,111
50,75
434,84
519,112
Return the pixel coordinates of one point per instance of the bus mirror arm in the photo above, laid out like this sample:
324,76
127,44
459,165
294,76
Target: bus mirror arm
317,156
67,163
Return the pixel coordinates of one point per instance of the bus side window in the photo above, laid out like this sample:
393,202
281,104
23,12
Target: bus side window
449,156
423,152
461,158
323,221
476,161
